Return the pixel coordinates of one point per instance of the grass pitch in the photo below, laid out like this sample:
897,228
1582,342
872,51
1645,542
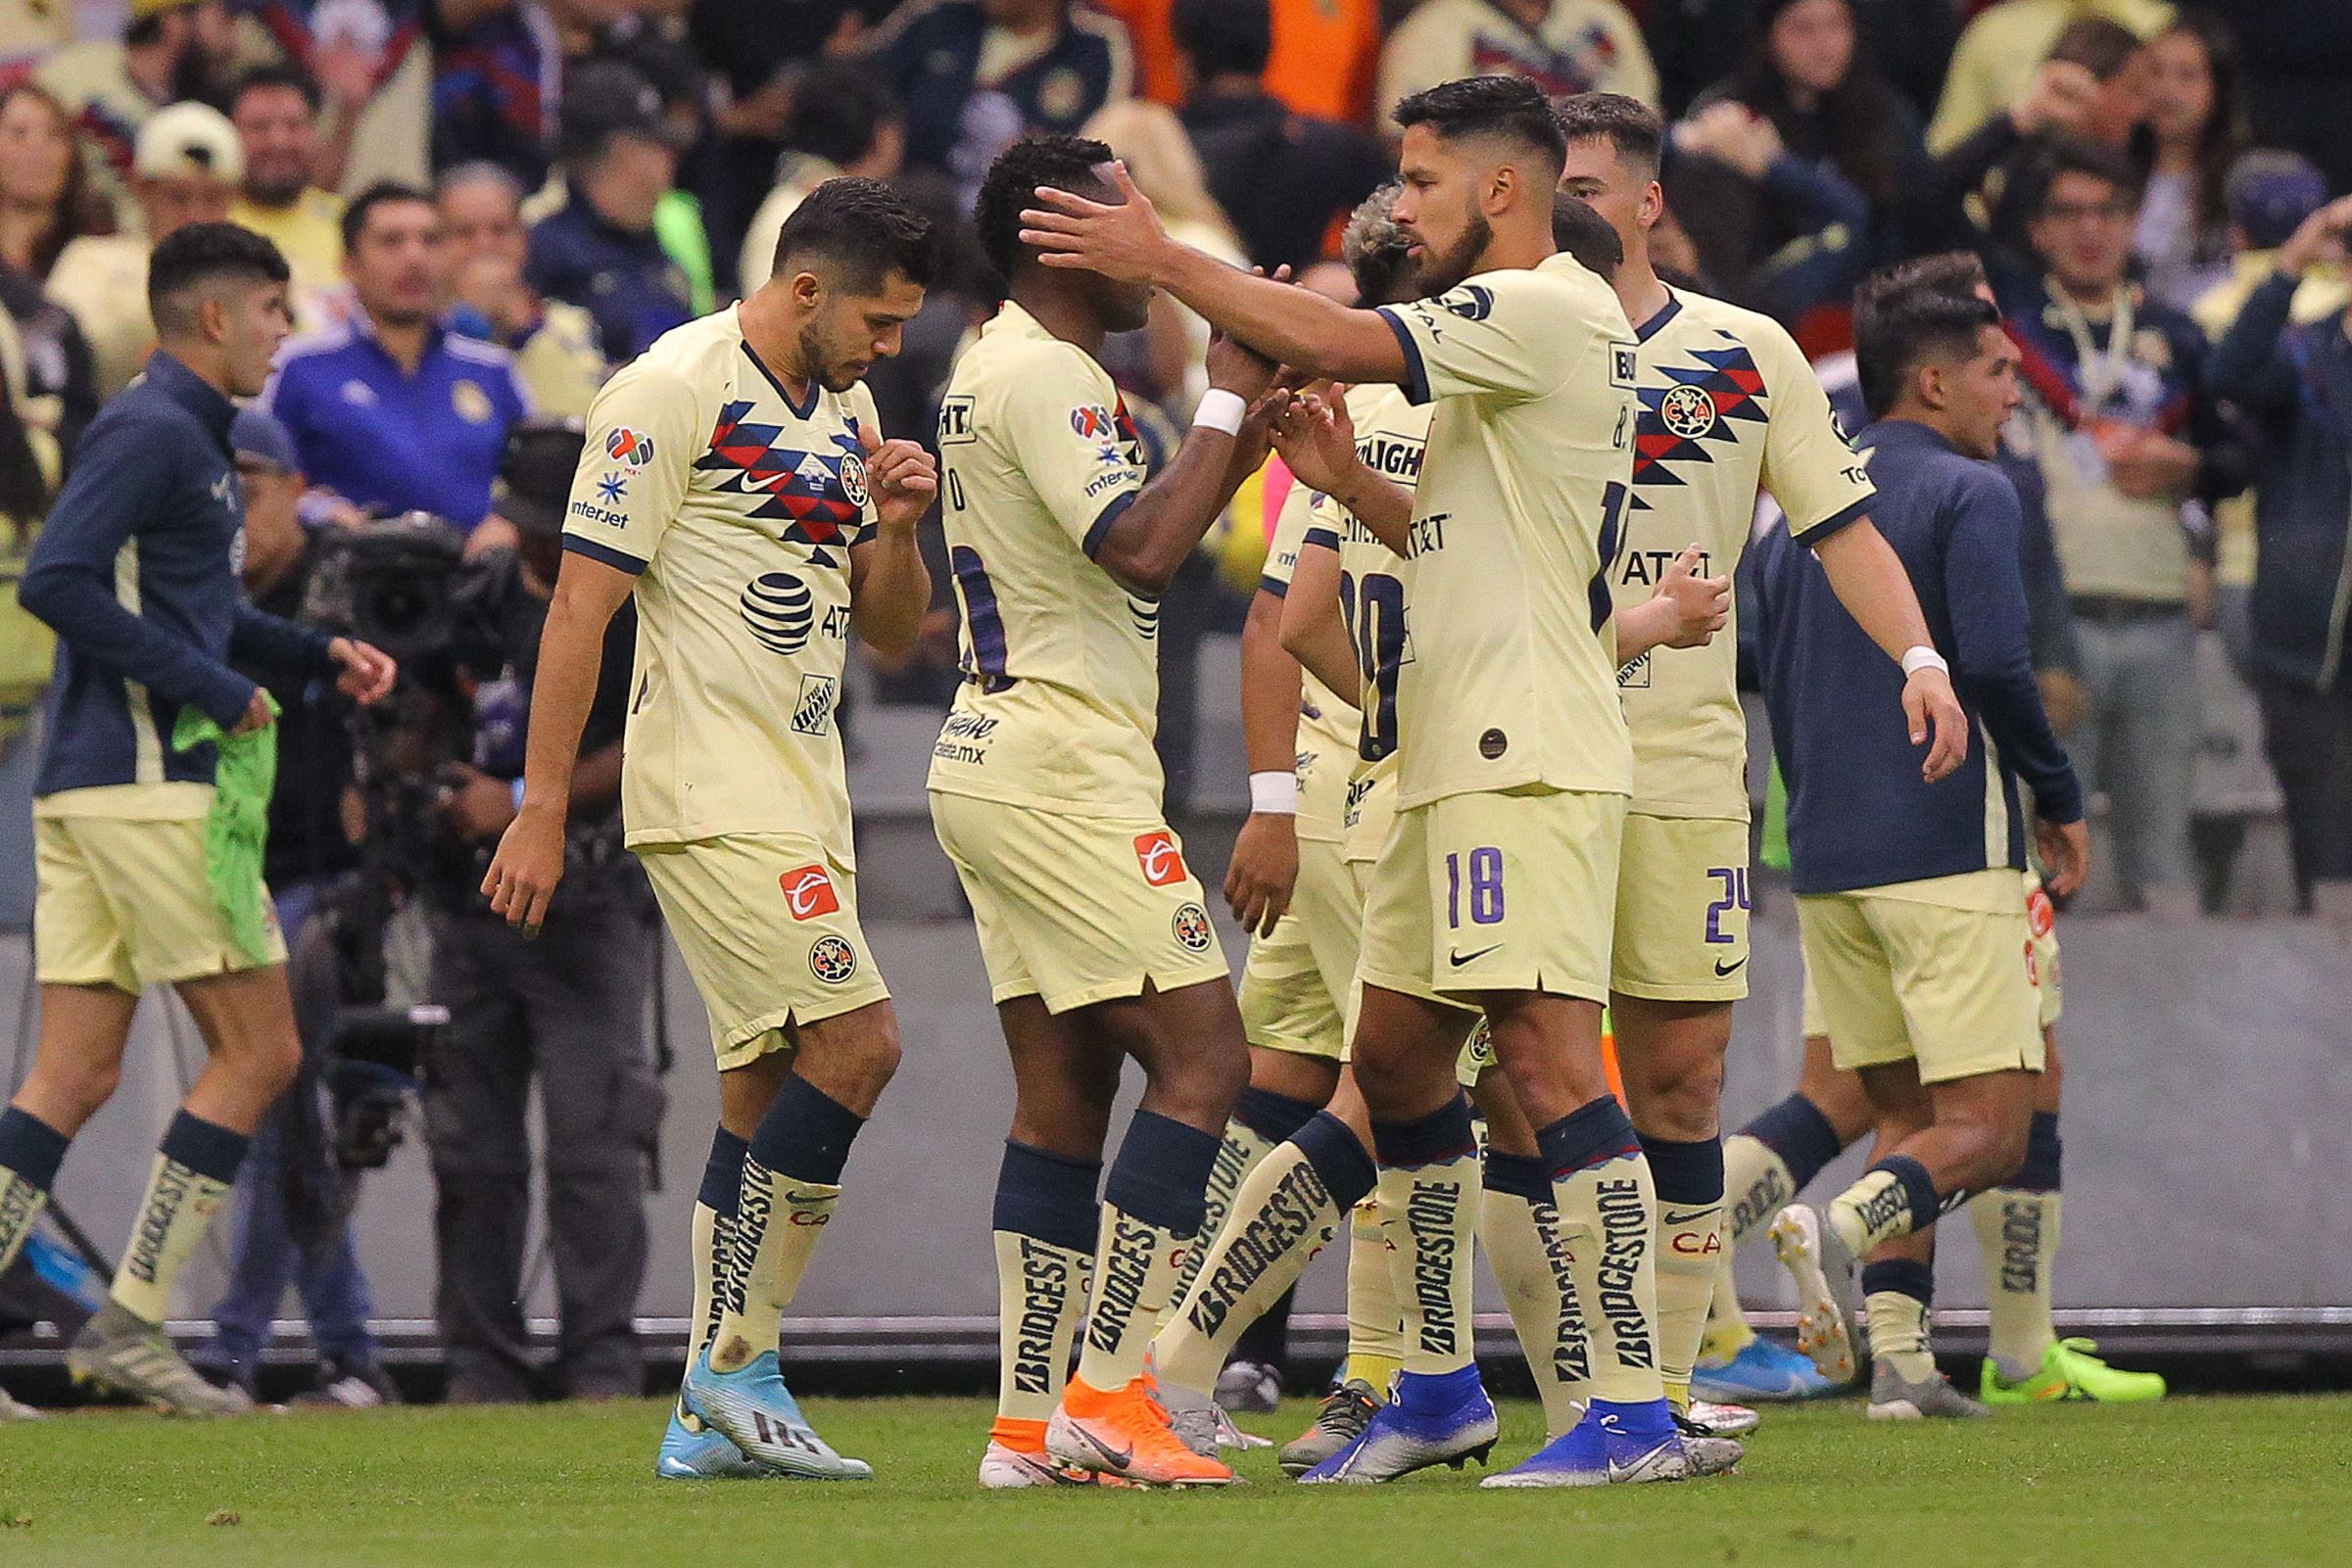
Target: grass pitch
2195,1481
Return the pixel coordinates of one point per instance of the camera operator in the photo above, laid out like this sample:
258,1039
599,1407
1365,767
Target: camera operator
292,1222
567,1006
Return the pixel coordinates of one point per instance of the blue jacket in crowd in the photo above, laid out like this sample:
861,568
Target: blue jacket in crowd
622,277
2296,384
1860,813
136,571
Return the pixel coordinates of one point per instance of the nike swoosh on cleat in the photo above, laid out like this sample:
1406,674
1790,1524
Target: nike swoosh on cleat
1118,1458
1459,959
1723,969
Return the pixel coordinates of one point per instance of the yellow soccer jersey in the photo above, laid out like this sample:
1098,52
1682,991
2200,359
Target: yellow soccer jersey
1514,524
1060,664
737,509
1728,405
1328,722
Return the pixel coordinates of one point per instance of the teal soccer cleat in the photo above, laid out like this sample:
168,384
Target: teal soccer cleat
1762,1373
751,1408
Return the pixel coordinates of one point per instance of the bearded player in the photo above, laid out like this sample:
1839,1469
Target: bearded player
735,480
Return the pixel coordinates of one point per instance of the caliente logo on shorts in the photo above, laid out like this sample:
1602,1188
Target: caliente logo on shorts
1191,928
1162,861
778,610
833,960
809,892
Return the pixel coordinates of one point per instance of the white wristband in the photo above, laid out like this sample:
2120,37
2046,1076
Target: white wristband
1220,410
1274,795
1920,657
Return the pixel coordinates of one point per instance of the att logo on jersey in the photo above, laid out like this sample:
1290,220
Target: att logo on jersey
809,892
1162,861
778,609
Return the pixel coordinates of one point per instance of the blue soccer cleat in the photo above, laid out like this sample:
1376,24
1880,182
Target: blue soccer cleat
693,1450
1615,1443
1764,1372
1433,1419
751,1408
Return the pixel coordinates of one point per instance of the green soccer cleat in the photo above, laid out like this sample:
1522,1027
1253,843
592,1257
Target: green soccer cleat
2070,1371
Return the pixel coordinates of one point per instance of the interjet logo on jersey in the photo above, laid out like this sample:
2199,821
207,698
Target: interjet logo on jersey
809,892
1688,408
1162,861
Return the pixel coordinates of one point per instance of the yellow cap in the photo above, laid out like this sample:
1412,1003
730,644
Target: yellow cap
189,139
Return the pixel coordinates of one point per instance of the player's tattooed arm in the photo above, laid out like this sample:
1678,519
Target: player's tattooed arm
1686,611
1313,631
1869,580
1294,326
528,862
1265,867
1317,439
890,586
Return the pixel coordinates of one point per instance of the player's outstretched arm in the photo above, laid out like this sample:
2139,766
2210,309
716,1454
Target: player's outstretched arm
1289,325
1313,630
1869,580
1142,545
1686,611
528,862
890,586
1264,869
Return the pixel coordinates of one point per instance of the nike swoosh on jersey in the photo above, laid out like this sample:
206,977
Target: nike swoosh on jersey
1722,969
1458,958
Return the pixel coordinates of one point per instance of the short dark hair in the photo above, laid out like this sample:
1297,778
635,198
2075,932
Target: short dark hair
840,107
1224,36
2100,45
1899,322
2073,154
1511,108
1952,272
866,229
278,74
1587,236
1631,127
190,257
382,193
1064,162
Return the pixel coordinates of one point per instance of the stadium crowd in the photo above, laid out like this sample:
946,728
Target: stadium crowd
488,205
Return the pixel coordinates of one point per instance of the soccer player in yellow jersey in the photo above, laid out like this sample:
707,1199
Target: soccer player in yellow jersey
1728,406
1046,795
737,482
1497,884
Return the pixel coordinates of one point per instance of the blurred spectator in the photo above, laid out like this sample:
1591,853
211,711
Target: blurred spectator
59,394
566,1009
843,121
45,194
291,1228
1698,43
683,93
976,74
374,78
2296,380
556,355
498,76
1150,141
186,172
392,411
2196,126
1282,179
2126,433
601,250
2269,194
1999,53
1563,46
1736,188
27,647
32,28
1323,62
2298,56
275,110
169,50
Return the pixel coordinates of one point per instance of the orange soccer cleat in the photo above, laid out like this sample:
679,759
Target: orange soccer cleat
1015,1457
1124,1432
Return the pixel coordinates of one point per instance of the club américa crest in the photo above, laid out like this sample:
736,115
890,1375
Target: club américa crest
833,960
1687,412
1191,928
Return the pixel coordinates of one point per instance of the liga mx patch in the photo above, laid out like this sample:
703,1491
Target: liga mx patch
1162,861
809,892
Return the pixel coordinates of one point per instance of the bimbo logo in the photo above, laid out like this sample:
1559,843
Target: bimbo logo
809,892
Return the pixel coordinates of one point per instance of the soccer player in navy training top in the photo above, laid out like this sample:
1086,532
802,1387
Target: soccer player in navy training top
137,572
1912,894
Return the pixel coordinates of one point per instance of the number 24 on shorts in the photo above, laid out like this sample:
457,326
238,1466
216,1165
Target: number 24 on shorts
1484,867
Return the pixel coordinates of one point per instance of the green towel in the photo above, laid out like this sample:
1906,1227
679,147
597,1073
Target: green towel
238,828
1773,851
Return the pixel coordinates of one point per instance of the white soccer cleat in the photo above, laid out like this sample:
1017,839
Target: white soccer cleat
1823,1273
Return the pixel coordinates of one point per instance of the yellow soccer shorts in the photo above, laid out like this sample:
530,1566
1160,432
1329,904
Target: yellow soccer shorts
1076,910
1681,930
1478,1047
767,924
2043,969
1295,981
1496,892
124,901
1940,984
